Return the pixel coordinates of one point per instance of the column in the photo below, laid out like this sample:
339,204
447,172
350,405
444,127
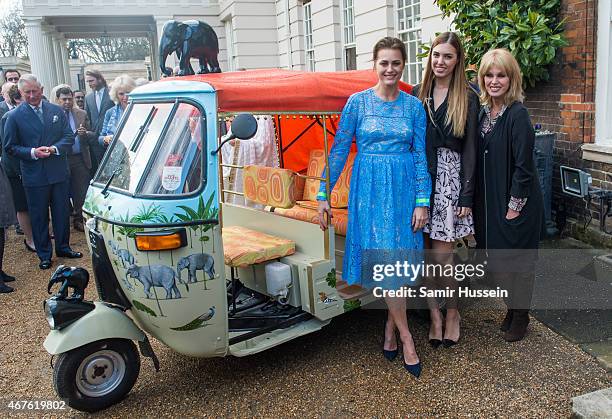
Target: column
65,62
154,51
50,56
36,50
57,54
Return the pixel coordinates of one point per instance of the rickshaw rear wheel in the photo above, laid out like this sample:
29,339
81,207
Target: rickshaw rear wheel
97,375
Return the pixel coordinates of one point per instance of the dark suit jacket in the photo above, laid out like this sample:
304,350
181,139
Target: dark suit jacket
97,118
3,109
80,117
24,131
11,164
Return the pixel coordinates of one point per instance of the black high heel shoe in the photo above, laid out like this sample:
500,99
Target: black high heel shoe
448,343
414,369
390,355
435,343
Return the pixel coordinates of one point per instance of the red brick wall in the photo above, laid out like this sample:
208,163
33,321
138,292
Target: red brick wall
565,104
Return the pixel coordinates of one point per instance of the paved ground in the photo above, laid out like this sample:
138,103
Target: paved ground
337,372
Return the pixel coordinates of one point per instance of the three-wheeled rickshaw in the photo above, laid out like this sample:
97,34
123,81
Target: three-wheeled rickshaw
175,259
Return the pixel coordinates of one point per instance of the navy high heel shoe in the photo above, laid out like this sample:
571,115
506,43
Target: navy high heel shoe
435,343
414,369
390,355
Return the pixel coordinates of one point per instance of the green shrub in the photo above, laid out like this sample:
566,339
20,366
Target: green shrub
528,28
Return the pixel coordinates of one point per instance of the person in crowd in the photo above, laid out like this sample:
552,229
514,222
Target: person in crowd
7,219
79,99
5,105
390,185
508,210
96,104
12,75
119,91
11,166
452,122
79,159
37,132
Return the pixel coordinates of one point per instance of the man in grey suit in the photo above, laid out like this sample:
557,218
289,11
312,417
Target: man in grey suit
96,104
79,158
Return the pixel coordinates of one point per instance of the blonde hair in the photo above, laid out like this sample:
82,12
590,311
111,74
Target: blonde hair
502,59
124,83
456,114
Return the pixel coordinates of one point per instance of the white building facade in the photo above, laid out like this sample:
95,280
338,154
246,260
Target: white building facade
314,35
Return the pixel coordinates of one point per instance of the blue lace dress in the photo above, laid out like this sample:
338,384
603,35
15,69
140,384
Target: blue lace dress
388,181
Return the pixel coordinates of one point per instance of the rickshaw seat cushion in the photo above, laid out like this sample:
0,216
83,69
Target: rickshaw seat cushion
269,186
340,194
307,211
244,247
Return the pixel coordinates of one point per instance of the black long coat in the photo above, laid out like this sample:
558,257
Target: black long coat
506,168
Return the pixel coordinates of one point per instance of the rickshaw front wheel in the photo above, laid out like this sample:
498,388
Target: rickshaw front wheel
97,375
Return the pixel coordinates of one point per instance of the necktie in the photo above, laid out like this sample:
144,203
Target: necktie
76,147
39,114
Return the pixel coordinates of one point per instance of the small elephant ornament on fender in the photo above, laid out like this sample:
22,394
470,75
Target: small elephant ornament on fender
189,39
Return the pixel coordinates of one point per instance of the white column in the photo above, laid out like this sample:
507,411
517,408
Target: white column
50,57
57,54
36,50
66,65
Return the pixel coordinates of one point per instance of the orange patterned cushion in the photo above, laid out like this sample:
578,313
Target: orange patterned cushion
340,194
269,186
243,247
305,212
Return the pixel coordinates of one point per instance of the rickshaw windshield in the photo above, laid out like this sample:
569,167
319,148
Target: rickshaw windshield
158,151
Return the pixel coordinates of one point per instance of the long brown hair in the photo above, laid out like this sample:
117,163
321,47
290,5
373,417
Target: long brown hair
458,89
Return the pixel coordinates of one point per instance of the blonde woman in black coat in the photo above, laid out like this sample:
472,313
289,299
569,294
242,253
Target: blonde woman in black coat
509,210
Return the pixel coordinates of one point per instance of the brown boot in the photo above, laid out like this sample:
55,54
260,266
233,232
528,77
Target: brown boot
505,325
518,326
78,225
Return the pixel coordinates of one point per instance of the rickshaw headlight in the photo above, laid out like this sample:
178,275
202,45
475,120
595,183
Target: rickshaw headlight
63,312
49,316
161,240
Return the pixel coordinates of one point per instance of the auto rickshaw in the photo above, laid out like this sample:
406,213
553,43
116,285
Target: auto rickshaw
174,259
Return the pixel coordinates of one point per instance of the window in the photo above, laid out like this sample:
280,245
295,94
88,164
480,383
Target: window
348,32
142,162
409,31
229,40
308,44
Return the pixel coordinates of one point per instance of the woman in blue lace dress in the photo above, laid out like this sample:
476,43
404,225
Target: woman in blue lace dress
390,186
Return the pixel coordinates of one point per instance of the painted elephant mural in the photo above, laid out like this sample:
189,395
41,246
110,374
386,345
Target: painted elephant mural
198,261
191,38
156,276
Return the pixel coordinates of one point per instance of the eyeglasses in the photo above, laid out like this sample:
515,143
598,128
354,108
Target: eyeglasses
13,79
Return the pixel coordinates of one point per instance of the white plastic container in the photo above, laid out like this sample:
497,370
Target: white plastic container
278,280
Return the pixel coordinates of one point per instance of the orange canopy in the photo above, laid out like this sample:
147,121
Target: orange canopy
280,91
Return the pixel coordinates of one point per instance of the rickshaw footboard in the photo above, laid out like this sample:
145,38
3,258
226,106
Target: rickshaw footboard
146,350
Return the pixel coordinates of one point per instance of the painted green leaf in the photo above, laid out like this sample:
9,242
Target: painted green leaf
331,278
350,305
142,307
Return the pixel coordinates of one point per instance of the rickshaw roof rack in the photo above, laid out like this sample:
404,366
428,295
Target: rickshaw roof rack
274,91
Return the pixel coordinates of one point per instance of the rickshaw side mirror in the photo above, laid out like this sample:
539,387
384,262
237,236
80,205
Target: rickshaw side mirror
244,127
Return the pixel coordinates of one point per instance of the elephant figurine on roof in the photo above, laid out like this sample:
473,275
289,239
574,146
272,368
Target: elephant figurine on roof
188,39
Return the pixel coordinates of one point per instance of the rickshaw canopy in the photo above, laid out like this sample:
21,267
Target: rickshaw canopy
274,90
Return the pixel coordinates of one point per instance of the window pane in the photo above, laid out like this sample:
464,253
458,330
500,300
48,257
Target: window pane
351,58
132,149
177,168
